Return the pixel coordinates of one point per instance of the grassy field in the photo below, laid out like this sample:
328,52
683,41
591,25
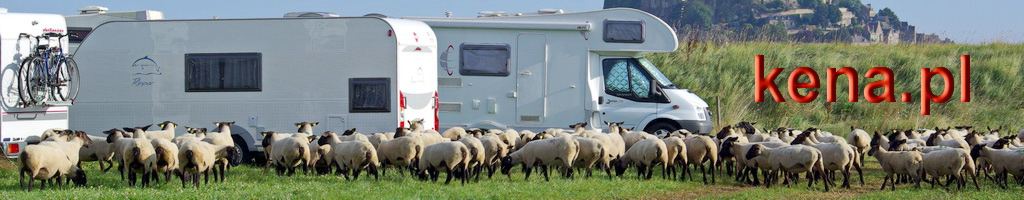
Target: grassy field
248,182
725,72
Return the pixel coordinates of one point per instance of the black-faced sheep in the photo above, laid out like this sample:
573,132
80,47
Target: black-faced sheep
450,156
644,154
45,163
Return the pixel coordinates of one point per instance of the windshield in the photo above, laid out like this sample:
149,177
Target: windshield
653,70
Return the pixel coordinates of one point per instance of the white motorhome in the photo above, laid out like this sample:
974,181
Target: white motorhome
79,26
552,69
22,122
264,74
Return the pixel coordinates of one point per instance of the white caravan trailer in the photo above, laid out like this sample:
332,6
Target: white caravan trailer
21,122
79,26
264,74
553,69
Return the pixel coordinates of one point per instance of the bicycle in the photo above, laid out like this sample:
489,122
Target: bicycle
47,71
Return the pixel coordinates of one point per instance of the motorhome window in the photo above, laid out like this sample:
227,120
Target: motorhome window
367,95
484,60
624,78
77,35
624,31
223,72
663,80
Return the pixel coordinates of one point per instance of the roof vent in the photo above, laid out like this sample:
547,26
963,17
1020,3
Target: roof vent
93,10
310,15
377,15
548,11
492,14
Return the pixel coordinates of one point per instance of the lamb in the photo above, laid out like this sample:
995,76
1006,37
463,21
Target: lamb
451,156
494,150
676,156
559,152
476,159
166,157
402,152
644,154
860,141
139,157
353,155
195,158
289,152
592,152
906,163
949,162
166,131
790,160
43,163
1002,161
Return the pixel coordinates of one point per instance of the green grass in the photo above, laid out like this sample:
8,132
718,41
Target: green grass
248,182
725,72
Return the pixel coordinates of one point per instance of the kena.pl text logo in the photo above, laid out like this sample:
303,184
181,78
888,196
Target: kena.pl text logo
763,82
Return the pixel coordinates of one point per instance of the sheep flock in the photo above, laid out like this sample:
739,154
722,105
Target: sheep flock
758,157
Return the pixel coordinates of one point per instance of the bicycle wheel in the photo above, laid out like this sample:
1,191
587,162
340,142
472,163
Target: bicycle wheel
32,87
66,86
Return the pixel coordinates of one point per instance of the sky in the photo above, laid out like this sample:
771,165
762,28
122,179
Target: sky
964,21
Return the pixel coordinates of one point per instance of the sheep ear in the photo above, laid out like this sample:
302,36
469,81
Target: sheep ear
316,123
311,138
126,129
161,125
298,125
144,128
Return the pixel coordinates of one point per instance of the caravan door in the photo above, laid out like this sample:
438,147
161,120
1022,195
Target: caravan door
628,96
531,63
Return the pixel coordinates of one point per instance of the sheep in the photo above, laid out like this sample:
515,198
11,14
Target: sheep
592,152
54,134
139,157
72,144
476,159
511,137
99,151
559,152
494,150
632,137
119,141
956,142
676,155
790,160
451,156
949,162
615,136
43,163
644,154
377,138
454,133
195,158
166,131
222,138
289,152
306,127
699,150
860,141
402,152
352,155
524,137
192,134
1002,161
906,163
736,148
836,157
330,137
166,158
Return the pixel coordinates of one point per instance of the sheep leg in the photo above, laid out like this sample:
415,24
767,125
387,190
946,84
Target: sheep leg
182,177
355,174
195,179
526,170
206,177
145,178
975,179
120,169
448,177
544,171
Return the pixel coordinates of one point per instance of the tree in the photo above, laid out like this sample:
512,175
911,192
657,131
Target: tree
696,14
809,3
888,14
621,3
827,15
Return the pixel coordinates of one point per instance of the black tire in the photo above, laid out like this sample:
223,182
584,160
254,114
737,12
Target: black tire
68,78
242,155
31,89
660,128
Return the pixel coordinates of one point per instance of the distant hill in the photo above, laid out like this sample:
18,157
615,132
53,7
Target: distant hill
782,20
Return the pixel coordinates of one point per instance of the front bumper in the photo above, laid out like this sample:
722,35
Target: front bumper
696,126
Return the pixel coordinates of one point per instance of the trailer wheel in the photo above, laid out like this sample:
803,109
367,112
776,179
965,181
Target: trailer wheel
242,155
660,128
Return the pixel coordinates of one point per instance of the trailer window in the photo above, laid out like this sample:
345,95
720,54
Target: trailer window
484,60
368,95
624,78
223,72
624,31
78,34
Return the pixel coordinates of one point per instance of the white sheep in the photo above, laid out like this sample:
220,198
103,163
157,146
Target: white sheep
401,152
955,142
524,137
451,156
46,162
195,158
291,152
73,144
836,157
494,150
676,156
99,151
454,133
702,149
166,157
166,131
907,163
790,160
1002,161
139,157
54,134
644,154
559,152
476,159
592,152
952,162
353,155
221,138
860,140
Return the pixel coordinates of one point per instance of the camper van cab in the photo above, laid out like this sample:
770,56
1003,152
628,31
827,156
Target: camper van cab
22,123
264,74
552,69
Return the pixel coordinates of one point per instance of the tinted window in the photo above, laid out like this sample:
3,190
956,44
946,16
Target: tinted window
624,31
77,35
369,95
223,72
624,78
484,60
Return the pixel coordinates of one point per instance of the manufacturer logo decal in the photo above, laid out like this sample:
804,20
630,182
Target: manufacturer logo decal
143,70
